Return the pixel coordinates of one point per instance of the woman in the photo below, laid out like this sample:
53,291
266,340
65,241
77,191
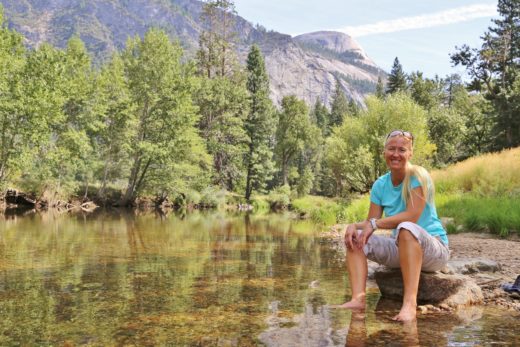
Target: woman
419,242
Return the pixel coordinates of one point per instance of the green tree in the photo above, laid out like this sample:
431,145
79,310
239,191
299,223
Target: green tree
320,115
166,149
397,79
259,125
349,158
74,136
380,88
475,112
30,104
294,134
15,126
116,110
494,69
354,151
339,107
428,93
216,55
446,130
223,105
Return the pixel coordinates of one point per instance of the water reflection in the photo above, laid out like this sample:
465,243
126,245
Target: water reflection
129,278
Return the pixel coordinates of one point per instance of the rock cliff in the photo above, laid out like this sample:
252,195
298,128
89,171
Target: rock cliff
307,65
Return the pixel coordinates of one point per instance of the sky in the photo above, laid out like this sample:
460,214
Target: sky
421,33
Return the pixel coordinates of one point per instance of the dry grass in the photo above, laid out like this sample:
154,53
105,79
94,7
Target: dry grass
493,174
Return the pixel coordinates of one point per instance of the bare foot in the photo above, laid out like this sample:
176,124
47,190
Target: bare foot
408,313
354,304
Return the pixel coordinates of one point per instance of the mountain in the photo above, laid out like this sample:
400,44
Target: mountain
307,65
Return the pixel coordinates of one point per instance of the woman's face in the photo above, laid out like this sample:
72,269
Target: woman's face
398,150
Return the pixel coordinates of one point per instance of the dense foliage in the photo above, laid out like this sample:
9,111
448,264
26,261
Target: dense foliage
150,122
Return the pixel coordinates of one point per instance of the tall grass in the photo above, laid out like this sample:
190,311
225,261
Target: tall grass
492,174
499,215
482,193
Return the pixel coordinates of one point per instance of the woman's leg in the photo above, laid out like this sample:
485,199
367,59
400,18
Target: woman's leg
410,260
357,268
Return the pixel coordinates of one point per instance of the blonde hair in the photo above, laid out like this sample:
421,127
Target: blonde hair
423,176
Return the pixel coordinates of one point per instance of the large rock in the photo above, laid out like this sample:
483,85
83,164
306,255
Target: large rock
434,288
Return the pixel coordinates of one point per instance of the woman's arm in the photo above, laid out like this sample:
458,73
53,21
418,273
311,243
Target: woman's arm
413,211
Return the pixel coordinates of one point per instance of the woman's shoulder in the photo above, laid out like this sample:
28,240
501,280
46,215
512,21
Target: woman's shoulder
382,179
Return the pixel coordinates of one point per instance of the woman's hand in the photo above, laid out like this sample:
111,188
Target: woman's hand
351,236
366,232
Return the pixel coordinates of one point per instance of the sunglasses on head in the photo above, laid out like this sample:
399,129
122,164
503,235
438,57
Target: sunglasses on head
406,134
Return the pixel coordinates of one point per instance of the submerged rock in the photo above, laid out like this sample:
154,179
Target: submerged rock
434,288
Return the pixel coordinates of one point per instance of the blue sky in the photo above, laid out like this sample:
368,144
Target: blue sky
421,33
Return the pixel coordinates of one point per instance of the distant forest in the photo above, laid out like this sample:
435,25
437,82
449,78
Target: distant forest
148,123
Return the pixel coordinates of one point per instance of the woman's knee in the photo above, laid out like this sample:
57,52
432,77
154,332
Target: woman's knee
406,235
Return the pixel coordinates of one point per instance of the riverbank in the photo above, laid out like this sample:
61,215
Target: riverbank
470,245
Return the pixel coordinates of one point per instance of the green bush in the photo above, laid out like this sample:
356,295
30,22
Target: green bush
189,198
319,209
260,204
212,197
280,198
356,211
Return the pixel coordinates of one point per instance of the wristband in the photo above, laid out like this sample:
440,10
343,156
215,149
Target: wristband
373,224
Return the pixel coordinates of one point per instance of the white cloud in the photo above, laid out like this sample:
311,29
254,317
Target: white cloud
455,15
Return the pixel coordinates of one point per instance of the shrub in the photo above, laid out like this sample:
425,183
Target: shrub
280,198
320,209
356,211
212,197
260,204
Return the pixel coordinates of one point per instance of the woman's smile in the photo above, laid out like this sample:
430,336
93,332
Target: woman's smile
397,152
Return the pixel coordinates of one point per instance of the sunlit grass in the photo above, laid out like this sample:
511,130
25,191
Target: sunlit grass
493,174
482,193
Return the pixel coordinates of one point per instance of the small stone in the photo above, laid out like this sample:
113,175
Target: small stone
422,309
445,307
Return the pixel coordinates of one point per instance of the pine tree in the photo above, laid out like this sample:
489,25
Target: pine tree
380,88
396,79
495,69
294,134
320,115
339,107
216,55
259,124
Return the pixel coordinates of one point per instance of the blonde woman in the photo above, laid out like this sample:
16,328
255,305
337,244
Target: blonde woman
419,242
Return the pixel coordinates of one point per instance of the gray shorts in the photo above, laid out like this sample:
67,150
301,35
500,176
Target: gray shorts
385,250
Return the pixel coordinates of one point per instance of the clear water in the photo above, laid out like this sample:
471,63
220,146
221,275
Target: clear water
199,280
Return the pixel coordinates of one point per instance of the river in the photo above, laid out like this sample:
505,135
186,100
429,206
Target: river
199,279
